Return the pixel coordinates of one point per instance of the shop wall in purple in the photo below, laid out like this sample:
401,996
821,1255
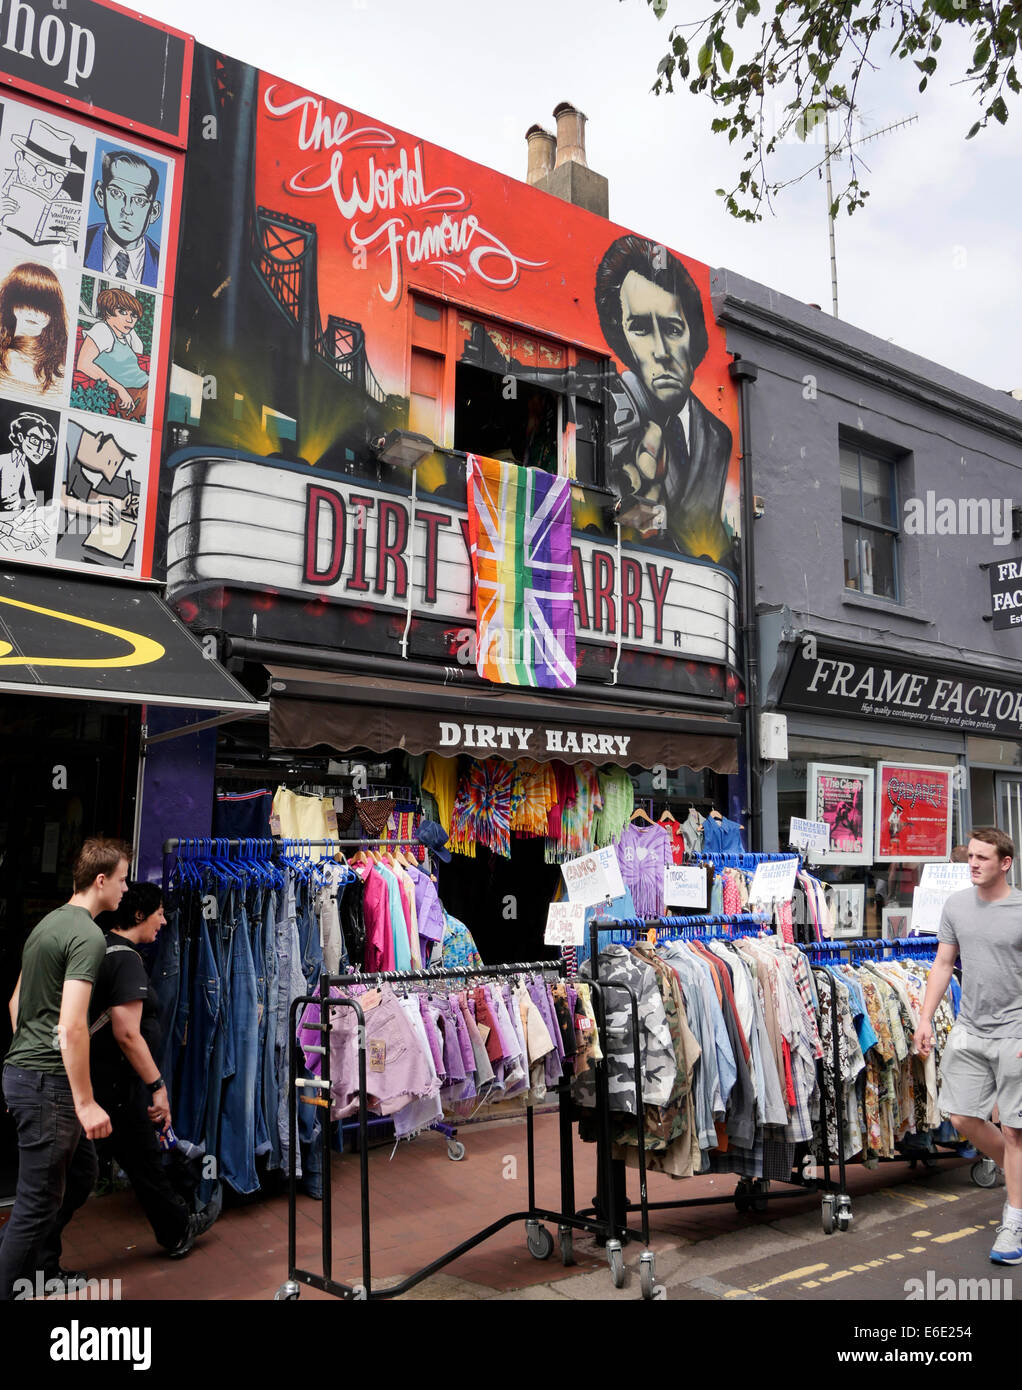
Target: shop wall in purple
177,788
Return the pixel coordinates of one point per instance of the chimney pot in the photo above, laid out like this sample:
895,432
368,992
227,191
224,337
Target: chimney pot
542,148
571,135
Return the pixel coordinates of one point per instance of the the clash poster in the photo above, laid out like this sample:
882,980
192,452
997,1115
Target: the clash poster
843,798
340,278
914,807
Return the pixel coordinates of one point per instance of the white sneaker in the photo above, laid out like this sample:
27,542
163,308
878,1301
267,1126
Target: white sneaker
1007,1249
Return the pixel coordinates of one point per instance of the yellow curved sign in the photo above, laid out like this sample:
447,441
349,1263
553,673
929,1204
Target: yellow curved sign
143,649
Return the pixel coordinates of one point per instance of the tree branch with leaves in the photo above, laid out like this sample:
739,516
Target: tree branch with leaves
802,63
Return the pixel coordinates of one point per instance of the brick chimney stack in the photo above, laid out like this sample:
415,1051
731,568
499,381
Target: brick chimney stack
559,166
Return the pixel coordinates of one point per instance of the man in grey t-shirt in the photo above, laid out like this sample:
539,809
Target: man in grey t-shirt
982,1060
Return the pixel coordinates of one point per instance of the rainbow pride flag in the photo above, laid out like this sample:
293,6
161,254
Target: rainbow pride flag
519,525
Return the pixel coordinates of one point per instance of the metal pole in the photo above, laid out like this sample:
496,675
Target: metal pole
830,212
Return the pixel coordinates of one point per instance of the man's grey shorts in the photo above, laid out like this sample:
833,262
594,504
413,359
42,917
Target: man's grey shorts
976,1072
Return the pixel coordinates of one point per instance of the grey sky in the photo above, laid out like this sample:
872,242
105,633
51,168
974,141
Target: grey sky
932,262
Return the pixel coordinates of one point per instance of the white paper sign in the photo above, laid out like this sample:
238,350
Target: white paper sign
565,924
810,834
946,878
684,887
594,877
939,881
774,880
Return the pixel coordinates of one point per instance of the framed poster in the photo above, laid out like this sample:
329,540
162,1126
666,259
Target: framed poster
913,816
843,797
897,923
847,903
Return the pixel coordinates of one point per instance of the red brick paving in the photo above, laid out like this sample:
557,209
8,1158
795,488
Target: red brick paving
422,1204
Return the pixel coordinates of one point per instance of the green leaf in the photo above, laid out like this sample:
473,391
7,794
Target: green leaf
1000,111
705,58
727,56
974,130
741,15
981,54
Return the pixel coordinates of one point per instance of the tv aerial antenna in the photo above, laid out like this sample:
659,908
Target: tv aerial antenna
829,153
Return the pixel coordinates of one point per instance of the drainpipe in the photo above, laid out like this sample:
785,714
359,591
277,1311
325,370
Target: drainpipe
745,373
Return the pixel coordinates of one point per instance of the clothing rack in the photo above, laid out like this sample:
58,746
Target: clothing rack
837,1205
540,1242
750,1193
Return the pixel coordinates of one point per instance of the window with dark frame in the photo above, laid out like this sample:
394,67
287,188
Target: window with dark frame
870,521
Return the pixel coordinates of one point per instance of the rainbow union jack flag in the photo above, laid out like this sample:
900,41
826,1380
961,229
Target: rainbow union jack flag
519,525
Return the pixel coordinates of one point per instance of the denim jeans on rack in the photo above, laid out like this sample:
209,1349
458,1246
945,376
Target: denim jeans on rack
289,967
312,966
221,1061
202,1022
238,1112
164,983
268,1046
174,1044
257,908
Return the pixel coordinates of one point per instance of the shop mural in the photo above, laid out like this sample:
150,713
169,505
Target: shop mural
339,279
83,286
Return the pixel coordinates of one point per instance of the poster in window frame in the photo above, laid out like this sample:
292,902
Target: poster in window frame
843,797
929,836
847,903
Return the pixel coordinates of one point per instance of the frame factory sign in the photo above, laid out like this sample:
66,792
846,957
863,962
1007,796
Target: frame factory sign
860,687
1006,593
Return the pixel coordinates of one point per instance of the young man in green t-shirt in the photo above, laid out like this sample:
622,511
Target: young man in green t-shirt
46,1081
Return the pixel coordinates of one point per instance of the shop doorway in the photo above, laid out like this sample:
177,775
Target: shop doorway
504,901
67,770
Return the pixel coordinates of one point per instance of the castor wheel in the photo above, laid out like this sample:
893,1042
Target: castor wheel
566,1240
827,1214
647,1274
455,1150
287,1293
984,1173
617,1263
539,1240
743,1196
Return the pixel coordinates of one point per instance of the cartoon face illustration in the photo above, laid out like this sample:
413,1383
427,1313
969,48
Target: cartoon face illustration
127,194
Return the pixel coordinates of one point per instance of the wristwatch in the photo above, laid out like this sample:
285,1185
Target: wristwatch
153,1086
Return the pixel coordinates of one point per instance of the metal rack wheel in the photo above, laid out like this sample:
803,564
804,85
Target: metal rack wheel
566,1240
743,1196
617,1263
647,1274
827,1214
539,1240
760,1193
455,1150
844,1213
287,1293
984,1173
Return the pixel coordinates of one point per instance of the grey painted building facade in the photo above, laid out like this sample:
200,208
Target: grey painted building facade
874,614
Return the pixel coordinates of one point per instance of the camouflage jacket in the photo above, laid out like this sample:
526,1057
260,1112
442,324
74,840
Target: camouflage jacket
656,1052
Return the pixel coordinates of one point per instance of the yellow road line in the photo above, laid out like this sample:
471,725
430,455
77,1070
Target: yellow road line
839,1274
902,1197
784,1278
921,1235
956,1235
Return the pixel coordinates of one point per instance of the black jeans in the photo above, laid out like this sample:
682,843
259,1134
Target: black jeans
57,1169
133,1144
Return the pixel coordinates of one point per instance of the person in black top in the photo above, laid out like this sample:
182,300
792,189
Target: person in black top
126,1080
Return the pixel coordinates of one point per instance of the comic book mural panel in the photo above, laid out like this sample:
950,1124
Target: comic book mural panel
82,231
381,282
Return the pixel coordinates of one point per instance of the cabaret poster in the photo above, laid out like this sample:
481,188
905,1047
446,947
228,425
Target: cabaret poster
843,797
913,818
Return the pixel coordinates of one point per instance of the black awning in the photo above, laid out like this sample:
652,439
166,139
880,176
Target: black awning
101,639
309,708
